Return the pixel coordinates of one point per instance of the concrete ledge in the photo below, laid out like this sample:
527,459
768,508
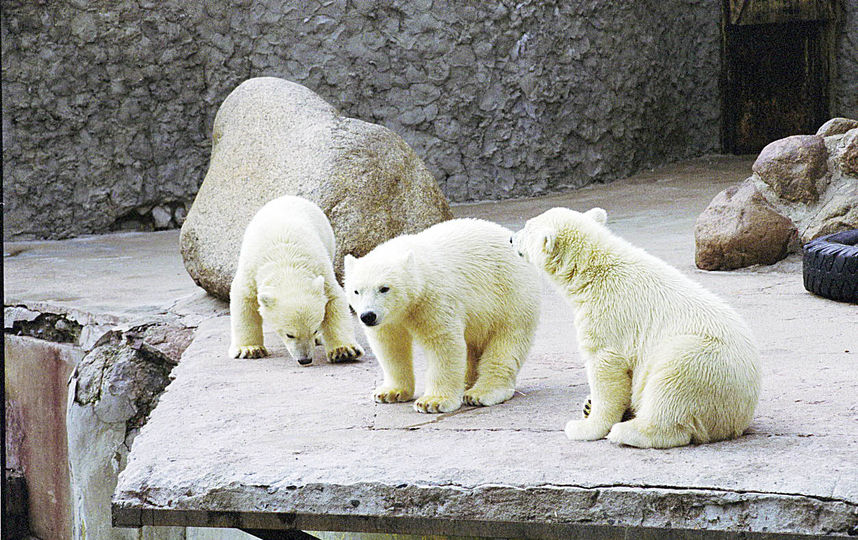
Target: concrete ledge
268,444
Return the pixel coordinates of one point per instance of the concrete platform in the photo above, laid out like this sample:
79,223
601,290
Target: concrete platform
267,444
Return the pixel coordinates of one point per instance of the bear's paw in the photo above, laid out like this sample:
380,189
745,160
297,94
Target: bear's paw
384,394
248,351
346,353
437,404
585,430
483,397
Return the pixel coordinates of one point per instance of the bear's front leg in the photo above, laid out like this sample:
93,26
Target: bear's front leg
446,364
610,395
392,348
245,323
338,330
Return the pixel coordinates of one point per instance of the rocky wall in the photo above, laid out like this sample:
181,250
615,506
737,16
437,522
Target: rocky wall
108,106
845,84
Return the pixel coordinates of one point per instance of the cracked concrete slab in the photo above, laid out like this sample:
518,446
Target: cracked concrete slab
269,444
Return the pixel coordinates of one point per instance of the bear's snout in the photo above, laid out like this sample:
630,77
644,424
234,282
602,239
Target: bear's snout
304,361
369,318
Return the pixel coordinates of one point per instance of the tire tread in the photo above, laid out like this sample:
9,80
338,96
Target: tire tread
830,268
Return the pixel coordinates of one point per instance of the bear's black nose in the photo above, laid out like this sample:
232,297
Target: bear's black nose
305,361
368,318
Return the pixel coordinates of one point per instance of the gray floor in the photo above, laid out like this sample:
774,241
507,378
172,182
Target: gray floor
263,436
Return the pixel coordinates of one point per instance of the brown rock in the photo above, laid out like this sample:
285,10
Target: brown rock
836,126
791,167
847,153
739,228
272,137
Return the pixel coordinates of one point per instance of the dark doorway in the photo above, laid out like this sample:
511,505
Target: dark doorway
776,76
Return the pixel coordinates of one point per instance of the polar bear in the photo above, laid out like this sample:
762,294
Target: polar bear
285,275
461,293
654,342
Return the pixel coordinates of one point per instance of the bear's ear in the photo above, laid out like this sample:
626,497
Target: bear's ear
319,284
348,262
266,299
598,215
547,238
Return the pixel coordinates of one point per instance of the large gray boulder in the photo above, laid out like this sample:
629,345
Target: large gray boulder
802,187
272,137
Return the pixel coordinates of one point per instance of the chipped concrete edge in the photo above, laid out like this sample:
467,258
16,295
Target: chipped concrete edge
498,511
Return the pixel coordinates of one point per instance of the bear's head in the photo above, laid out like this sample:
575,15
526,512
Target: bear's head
380,285
294,304
560,241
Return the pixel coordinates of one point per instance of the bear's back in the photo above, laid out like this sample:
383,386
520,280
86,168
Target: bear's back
472,262
291,219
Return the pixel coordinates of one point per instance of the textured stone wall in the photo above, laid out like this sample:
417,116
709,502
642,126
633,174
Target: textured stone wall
108,105
845,84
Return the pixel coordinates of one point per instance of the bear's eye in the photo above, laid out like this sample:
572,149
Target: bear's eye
510,239
290,336
357,292
383,289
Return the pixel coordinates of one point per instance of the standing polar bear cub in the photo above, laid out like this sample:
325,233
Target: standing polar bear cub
461,293
285,275
654,342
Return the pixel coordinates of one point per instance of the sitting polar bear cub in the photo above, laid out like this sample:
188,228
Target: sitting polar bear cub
654,341
459,291
285,275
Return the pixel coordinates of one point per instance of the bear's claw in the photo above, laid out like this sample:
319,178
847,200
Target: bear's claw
346,353
437,404
249,351
487,396
391,395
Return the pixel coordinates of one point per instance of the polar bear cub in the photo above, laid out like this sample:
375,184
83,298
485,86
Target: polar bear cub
654,342
285,276
461,293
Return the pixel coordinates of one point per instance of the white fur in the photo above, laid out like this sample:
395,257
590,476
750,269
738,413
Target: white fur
285,275
654,341
461,293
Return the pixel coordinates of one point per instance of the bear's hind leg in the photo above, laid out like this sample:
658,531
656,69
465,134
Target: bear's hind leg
497,369
637,433
674,397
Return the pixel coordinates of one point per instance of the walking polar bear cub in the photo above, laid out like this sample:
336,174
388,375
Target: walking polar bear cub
460,292
654,341
285,276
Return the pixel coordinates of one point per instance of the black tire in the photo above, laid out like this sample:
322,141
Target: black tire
830,266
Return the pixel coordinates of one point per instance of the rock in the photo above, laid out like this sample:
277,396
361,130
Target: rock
839,213
179,214
161,217
739,228
792,166
110,395
847,153
836,126
272,137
